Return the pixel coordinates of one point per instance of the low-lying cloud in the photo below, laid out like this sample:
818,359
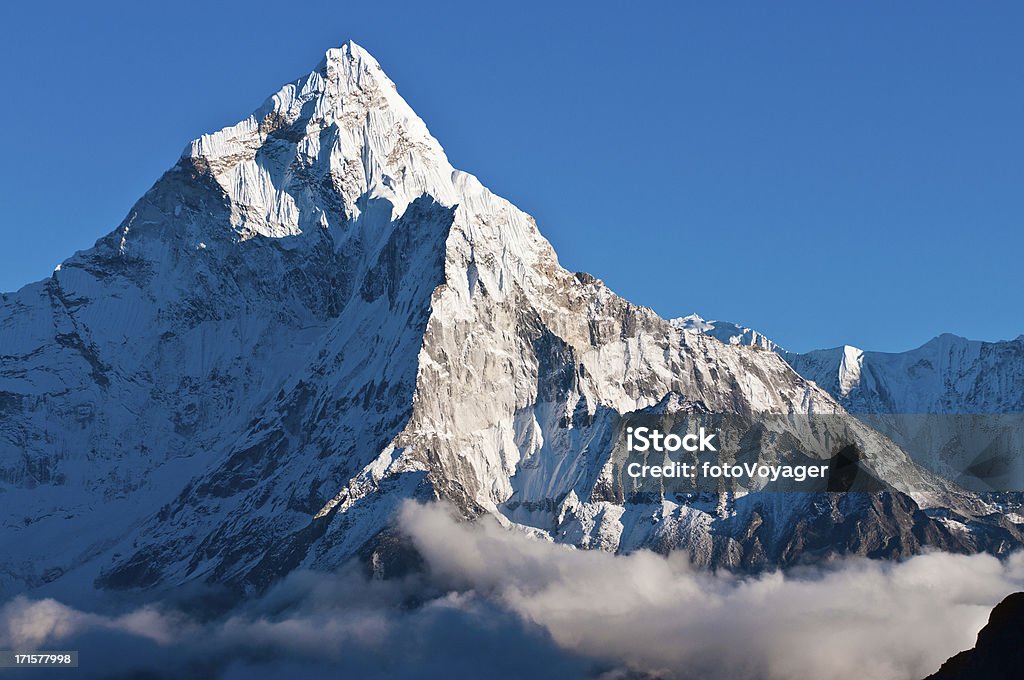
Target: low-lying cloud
858,618
498,602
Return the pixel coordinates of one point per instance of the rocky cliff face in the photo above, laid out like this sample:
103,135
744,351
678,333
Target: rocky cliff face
313,317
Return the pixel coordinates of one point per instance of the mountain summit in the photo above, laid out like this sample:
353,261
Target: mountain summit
312,317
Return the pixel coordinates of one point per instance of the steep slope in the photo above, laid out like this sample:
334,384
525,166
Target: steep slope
313,317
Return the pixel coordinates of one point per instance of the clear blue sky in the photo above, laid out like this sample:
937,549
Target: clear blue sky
826,172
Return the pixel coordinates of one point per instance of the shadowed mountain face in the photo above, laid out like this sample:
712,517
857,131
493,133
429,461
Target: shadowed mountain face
313,317
998,654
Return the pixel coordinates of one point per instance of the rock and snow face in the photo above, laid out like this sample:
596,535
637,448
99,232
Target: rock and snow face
313,317
729,333
955,405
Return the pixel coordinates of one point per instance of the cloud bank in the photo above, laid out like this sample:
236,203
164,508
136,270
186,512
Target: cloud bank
498,601
858,618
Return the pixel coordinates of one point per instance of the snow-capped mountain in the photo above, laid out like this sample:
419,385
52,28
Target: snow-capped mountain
956,405
729,333
313,317
946,375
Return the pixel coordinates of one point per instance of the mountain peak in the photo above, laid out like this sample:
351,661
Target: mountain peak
313,318
351,52
340,148
343,126
351,47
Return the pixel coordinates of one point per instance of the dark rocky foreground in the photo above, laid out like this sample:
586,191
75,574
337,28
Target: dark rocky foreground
998,654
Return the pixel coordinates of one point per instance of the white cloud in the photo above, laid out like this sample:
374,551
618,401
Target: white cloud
522,607
855,619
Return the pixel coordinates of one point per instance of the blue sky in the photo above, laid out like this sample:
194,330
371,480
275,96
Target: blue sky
826,172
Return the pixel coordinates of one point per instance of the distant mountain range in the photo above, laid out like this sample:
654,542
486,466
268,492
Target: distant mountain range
312,317
955,405
946,375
